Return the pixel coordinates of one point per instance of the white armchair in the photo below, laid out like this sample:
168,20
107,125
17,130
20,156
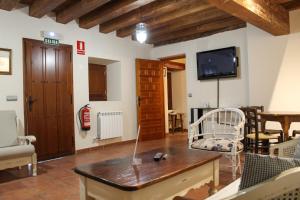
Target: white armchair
15,151
220,130
285,149
281,187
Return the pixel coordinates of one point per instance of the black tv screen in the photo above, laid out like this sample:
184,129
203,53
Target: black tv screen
219,63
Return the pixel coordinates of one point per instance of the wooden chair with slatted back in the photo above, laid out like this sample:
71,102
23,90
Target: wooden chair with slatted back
255,136
262,122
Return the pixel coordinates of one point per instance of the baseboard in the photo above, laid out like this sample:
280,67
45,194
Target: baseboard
104,145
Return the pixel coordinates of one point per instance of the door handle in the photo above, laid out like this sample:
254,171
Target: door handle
30,102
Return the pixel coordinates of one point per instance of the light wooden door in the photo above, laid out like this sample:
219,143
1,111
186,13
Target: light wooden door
150,99
49,113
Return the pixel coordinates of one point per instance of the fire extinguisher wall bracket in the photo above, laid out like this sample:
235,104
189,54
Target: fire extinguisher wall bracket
84,115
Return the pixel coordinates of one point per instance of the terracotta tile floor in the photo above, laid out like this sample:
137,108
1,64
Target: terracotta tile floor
57,181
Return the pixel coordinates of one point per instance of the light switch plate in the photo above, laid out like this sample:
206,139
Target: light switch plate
11,98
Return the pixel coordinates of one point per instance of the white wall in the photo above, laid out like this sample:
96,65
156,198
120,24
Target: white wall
114,82
17,24
274,68
233,92
179,94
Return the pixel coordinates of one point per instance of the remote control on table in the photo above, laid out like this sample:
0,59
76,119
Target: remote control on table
158,156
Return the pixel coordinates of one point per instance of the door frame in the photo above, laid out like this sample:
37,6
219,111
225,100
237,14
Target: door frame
179,67
25,107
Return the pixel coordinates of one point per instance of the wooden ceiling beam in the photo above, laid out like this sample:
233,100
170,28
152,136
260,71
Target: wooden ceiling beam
110,11
200,35
264,14
282,1
8,4
292,5
78,9
39,8
143,13
156,22
206,16
200,28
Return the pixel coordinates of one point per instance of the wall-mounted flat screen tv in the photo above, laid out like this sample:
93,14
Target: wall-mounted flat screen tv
219,63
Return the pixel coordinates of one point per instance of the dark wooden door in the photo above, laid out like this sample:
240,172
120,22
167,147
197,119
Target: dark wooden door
169,82
49,113
150,96
97,82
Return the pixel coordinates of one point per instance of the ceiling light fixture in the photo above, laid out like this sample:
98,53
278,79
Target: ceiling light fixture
141,32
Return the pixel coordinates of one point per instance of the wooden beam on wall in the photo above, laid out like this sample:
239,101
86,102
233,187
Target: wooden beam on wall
162,20
142,14
8,4
78,9
206,16
175,66
110,11
175,57
264,14
200,35
200,28
39,8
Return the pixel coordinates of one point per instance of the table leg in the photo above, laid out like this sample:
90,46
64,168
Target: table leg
215,183
285,127
181,122
83,189
173,123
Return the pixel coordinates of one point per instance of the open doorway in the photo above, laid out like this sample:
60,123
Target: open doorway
175,94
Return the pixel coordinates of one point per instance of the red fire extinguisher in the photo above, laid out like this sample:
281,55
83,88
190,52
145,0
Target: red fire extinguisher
84,116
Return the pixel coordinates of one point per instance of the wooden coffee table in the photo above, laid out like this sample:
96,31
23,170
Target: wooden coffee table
118,179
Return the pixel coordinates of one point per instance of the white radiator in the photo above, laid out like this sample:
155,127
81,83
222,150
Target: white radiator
109,125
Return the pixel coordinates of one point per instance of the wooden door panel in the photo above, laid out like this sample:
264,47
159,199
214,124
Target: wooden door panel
36,58
50,99
150,92
49,82
37,108
65,95
38,130
50,64
51,134
66,140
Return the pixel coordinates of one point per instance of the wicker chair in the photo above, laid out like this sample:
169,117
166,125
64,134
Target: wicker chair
220,130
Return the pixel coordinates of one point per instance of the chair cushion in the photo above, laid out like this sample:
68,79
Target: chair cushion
216,144
8,132
273,131
16,151
262,136
259,168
